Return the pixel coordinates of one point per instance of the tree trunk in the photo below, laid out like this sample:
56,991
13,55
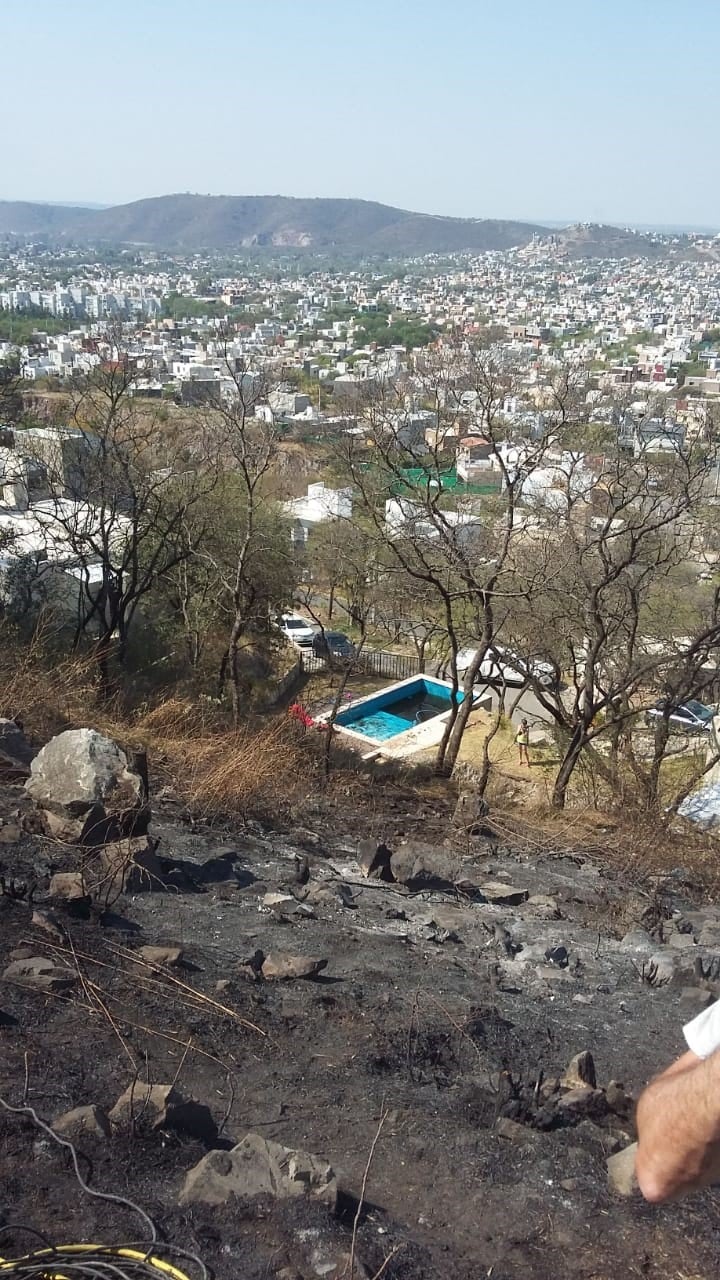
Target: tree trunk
229,668
567,767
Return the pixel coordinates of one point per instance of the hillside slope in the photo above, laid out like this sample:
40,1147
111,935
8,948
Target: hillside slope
225,222
598,240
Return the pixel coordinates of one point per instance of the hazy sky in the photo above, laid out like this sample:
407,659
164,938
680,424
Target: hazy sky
599,110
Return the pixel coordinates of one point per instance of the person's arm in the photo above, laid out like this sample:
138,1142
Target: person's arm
678,1121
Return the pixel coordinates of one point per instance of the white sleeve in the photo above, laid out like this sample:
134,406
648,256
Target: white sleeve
703,1033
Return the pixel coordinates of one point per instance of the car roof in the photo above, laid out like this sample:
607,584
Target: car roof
699,709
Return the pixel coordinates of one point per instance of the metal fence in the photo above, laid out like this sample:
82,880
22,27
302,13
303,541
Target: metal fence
371,662
391,666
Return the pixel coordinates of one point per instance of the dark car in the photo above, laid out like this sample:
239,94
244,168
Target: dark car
333,645
689,717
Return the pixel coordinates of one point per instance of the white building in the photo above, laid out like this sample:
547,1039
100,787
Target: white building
319,504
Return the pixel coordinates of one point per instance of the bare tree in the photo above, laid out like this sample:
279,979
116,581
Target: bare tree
614,527
120,487
461,554
248,447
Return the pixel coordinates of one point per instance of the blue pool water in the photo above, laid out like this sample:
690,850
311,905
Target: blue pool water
395,710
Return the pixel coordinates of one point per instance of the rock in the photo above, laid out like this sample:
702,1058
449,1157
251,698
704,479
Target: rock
68,885
279,965
86,791
584,1101
619,1102
15,750
469,813
696,998
710,935
301,873
621,1171
550,1086
278,900
40,973
502,895
10,833
317,894
127,866
682,940
513,1131
423,866
329,1264
169,956
347,895
160,1106
543,906
255,1167
82,1122
660,968
49,924
374,861
148,1103
638,940
581,1071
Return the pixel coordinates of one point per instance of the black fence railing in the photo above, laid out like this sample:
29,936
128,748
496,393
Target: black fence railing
371,662
391,666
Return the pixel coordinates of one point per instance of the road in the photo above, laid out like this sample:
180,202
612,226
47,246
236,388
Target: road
527,706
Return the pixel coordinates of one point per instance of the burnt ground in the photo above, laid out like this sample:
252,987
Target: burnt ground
426,1013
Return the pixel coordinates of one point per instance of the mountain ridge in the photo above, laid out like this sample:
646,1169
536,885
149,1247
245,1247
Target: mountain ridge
186,221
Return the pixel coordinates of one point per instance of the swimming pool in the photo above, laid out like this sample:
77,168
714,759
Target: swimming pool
401,707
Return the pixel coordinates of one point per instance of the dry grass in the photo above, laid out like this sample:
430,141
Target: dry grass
219,771
266,769
214,769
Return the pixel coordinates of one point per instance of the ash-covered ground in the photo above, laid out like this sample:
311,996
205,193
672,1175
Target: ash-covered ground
440,1029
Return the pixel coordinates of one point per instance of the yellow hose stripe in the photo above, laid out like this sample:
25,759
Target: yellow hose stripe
108,1250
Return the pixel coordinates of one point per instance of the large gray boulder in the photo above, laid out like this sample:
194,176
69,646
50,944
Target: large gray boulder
257,1167
86,790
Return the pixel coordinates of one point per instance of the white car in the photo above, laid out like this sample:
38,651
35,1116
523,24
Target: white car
297,629
502,665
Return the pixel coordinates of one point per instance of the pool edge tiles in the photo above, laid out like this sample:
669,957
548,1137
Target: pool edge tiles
383,700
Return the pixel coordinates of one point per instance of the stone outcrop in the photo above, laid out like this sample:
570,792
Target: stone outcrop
257,1167
83,1122
85,789
424,866
126,866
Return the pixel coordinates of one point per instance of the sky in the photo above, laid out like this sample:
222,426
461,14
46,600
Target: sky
570,110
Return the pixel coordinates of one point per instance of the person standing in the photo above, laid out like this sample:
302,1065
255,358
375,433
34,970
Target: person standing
522,738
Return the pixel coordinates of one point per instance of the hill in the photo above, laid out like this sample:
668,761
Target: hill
597,240
195,222
231,222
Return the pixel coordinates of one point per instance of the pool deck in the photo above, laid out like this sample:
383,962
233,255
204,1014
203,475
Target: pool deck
411,740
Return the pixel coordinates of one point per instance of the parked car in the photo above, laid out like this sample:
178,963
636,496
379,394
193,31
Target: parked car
503,665
297,629
689,717
333,644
